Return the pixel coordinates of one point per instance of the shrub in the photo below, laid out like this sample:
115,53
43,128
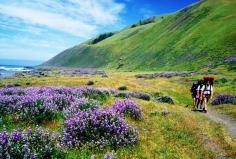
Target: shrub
34,108
80,104
43,103
165,99
7,104
102,37
28,144
122,88
89,83
109,155
97,129
141,95
224,99
144,22
128,108
97,94
127,94
165,112
221,80
147,21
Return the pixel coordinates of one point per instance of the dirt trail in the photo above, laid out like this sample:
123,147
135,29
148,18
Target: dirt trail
229,123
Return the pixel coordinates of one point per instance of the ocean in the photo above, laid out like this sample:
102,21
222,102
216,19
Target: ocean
10,67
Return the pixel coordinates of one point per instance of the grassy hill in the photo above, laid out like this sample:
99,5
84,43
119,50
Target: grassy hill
201,35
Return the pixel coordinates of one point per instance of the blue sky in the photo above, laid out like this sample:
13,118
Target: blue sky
40,29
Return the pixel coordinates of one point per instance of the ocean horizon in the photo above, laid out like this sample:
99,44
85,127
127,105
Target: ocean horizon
17,62
9,67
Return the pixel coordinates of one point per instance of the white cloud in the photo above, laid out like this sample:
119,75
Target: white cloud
51,20
77,17
39,29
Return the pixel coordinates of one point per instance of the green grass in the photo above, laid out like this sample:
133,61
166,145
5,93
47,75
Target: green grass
182,134
190,39
227,109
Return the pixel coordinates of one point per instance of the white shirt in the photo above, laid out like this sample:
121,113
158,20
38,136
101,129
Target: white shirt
207,89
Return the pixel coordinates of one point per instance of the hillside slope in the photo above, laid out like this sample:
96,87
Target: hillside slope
201,35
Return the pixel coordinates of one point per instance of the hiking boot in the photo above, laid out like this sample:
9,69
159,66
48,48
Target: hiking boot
204,110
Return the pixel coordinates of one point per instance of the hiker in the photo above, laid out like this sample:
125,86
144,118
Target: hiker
207,91
199,97
194,91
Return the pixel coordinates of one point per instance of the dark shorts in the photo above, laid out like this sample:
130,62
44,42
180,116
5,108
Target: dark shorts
194,95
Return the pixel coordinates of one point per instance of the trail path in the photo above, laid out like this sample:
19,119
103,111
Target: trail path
229,123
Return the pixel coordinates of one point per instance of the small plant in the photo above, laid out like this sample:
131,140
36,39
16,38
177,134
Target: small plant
141,95
122,88
165,112
221,80
89,83
165,99
109,155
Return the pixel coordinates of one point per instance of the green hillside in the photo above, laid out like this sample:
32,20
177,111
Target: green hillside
201,35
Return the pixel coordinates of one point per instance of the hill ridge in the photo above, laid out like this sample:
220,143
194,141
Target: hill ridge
192,38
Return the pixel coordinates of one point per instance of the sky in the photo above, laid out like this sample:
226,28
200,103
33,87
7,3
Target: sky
40,29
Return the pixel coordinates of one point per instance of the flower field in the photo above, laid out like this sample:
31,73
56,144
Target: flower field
86,122
66,119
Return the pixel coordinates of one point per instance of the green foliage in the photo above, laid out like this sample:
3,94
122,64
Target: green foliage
193,38
102,37
144,22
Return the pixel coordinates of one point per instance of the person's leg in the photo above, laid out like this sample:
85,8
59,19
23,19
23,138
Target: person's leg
194,104
205,104
207,100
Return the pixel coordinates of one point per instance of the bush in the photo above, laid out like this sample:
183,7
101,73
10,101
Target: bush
128,108
122,88
221,80
7,104
97,94
89,83
28,144
165,99
144,22
34,108
224,99
102,37
80,104
97,129
43,103
127,94
141,95
147,21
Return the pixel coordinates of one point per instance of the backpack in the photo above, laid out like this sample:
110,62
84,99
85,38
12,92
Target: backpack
210,79
194,87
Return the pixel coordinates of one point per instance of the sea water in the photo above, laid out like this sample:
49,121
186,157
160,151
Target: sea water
10,67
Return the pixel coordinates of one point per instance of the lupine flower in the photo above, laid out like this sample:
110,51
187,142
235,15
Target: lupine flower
28,144
224,99
97,128
128,108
